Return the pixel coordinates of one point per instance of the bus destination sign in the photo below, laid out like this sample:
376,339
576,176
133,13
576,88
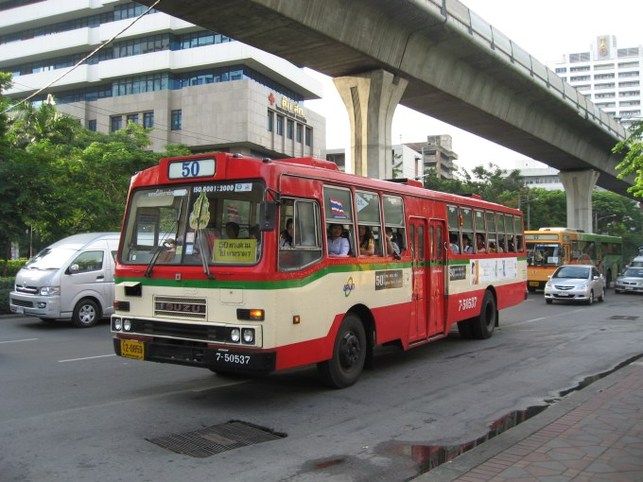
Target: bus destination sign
190,169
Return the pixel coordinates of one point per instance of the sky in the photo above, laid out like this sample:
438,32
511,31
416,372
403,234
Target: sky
546,29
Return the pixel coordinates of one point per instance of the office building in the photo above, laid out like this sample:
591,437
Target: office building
192,86
609,76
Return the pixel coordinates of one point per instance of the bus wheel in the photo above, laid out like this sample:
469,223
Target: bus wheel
482,327
349,354
86,314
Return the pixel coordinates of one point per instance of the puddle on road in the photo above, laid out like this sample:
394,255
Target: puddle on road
430,456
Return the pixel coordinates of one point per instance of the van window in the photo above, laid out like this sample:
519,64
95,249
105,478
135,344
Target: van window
88,261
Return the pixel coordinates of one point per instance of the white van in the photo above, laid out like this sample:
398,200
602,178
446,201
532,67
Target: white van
637,262
73,279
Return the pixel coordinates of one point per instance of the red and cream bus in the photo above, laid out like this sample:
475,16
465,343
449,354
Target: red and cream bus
224,264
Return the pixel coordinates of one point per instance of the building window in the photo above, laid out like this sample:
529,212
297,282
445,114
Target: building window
148,120
280,125
132,118
91,125
290,128
271,120
116,123
300,133
309,136
176,120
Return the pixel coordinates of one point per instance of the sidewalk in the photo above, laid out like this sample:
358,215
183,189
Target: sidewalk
594,434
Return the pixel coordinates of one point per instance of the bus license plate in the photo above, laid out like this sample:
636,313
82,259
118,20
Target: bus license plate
533,283
133,349
240,360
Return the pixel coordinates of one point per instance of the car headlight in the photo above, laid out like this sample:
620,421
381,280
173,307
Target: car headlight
50,290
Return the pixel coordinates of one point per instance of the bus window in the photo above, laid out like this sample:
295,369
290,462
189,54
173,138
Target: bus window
394,222
368,219
500,245
300,234
338,211
466,220
492,236
454,229
510,243
518,231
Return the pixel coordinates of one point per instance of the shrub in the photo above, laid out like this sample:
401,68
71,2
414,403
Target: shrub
11,266
6,285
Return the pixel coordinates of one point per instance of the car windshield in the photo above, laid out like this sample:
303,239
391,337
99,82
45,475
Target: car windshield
572,272
634,272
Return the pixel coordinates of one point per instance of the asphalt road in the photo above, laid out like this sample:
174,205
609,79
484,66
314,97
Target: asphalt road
72,411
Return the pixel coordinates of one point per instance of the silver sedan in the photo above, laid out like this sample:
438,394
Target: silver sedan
631,280
575,282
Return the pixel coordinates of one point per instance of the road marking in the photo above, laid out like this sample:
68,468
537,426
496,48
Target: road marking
86,358
545,318
19,341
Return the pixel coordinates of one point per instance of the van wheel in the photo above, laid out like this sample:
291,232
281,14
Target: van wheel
349,355
86,314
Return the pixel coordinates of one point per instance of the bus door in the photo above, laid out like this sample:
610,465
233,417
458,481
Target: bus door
436,288
418,322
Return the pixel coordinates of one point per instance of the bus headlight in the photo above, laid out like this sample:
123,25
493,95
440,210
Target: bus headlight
248,336
235,335
127,324
117,324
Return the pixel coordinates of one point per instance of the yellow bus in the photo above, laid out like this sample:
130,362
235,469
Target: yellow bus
549,248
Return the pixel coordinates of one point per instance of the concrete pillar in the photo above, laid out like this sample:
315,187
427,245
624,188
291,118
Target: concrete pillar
579,186
371,99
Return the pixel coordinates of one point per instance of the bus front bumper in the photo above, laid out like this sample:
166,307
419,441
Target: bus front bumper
227,359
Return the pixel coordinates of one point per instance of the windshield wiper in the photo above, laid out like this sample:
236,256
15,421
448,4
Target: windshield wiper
204,249
155,256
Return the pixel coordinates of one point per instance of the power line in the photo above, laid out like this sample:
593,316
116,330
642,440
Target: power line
83,60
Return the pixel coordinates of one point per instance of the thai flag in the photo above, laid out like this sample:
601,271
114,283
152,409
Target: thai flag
337,208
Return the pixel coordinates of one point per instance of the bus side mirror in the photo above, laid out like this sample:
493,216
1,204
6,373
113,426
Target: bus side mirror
267,215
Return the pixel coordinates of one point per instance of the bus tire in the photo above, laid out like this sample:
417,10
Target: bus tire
349,354
482,326
86,313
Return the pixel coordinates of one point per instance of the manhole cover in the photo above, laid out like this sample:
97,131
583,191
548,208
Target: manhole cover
216,439
624,317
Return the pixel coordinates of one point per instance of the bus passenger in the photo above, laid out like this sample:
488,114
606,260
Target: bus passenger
337,244
392,247
285,239
466,243
480,245
366,241
453,243
232,230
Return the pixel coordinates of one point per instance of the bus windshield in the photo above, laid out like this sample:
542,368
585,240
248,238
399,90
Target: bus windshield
214,223
544,254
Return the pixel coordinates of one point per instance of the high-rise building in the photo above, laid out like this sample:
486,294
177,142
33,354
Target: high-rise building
193,86
437,154
609,76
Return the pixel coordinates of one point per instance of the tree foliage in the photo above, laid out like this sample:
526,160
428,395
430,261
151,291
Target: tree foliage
60,179
632,163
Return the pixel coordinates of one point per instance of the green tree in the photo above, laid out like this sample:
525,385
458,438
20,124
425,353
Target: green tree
632,163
